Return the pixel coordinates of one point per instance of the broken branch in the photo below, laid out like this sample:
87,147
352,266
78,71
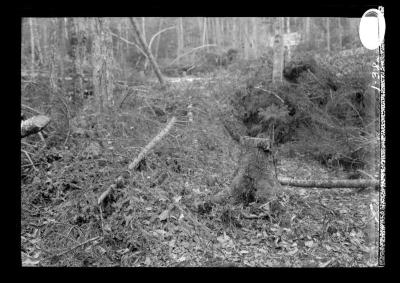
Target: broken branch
151,144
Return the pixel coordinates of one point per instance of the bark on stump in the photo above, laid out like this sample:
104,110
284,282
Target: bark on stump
253,179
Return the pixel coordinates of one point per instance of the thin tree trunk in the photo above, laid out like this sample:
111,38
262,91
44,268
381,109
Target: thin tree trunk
44,31
147,51
235,32
121,50
180,36
158,38
65,28
102,63
278,53
62,51
37,37
75,45
307,29
328,36
218,32
52,57
144,29
204,37
32,48
254,41
287,24
340,30
244,37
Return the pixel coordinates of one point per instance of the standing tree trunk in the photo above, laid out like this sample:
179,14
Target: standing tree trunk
45,31
38,45
102,64
204,37
62,49
235,40
278,53
121,51
218,39
52,57
307,29
144,29
32,48
147,51
328,36
76,56
245,37
287,24
180,37
340,31
253,40
158,38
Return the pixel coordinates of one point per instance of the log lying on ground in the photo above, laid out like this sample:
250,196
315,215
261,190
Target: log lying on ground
34,125
328,184
151,144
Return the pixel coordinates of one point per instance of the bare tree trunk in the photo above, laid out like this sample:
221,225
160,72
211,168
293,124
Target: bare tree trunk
278,53
245,38
147,51
44,31
144,29
121,51
218,39
340,31
328,36
180,36
158,38
287,24
235,40
204,37
75,45
53,47
65,29
62,51
32,48
102,63
254,41
307,29
38,45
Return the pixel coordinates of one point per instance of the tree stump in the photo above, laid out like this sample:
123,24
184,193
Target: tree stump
253,179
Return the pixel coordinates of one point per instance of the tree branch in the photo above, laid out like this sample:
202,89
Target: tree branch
151,144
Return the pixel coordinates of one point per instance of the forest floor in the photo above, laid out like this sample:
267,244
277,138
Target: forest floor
156,216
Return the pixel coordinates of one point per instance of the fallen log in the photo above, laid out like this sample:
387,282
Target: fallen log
329,184
151,144
34,125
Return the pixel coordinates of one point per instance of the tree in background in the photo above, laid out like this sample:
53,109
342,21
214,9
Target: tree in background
103,82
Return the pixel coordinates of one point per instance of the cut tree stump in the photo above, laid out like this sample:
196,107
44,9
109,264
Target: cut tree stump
34,125
253,178
329,184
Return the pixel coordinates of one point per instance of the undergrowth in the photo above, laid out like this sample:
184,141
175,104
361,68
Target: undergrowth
160,214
